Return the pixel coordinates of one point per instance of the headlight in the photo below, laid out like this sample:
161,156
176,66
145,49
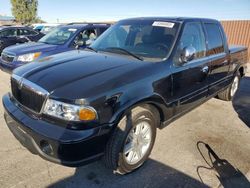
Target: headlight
28,57
69,112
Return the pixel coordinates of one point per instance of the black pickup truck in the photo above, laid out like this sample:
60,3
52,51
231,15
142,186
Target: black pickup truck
108,100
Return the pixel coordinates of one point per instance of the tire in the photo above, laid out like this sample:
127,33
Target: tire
229,93
125,137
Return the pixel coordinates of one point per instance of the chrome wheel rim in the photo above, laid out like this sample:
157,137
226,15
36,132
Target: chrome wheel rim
234,86
137,143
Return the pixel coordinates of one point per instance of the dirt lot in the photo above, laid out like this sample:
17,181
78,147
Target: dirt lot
180,157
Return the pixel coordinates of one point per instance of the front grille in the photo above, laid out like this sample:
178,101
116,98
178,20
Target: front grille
7,58
27,96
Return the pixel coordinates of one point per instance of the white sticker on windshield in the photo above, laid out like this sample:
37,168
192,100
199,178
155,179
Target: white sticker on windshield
163,24
72,29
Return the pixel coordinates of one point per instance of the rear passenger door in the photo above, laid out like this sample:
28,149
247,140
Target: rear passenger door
218,55
189,79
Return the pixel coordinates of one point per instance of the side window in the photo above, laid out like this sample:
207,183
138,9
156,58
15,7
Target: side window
90,34
32,32
25,32
193,35
87,36
21,32
215,42
8,33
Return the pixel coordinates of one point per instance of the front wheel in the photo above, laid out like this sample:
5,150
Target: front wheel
132,141
229,93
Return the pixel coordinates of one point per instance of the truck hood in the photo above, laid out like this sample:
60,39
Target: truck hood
29,47
77,71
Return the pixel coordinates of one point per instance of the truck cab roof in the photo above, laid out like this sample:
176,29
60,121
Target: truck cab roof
178,19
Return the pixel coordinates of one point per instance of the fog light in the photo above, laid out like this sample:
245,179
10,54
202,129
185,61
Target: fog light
46,147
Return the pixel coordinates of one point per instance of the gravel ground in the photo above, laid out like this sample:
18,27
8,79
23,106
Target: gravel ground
180,157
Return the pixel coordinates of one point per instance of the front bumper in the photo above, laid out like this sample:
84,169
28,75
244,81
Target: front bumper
52,142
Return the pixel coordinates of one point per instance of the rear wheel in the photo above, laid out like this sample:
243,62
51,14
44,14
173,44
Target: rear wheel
132,141
229,93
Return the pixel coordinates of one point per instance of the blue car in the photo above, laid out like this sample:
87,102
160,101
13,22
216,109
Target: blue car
60,39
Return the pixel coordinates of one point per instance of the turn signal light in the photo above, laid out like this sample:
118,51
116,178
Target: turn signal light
87,114
36,55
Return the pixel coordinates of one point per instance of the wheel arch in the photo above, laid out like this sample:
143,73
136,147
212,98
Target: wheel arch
241,71
155,103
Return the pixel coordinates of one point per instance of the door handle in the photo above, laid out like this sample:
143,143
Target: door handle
205,69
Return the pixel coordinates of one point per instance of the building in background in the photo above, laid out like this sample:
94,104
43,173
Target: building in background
6,20
238,32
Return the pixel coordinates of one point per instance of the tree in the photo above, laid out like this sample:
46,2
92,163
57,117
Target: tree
24,11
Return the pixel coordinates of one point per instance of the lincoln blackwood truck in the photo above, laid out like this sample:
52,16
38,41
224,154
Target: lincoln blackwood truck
108,100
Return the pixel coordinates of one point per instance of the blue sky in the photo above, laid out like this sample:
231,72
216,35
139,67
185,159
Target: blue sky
112,10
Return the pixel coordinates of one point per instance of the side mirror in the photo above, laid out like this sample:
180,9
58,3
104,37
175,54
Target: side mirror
89,42
187,54
79,43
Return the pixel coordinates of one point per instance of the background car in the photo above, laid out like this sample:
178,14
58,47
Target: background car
15,35
45,27
60,39
38,28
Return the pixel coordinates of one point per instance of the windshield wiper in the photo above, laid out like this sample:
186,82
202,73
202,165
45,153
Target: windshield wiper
90,48
126,51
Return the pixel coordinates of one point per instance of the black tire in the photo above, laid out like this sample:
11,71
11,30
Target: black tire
114,157
227,95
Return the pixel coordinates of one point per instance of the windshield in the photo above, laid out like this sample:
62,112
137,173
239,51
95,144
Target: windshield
147,39
58,35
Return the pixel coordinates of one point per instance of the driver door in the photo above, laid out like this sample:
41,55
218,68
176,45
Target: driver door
190,78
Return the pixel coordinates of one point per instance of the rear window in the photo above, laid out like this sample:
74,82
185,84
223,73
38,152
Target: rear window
214,37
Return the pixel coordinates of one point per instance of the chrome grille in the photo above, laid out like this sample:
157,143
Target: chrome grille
28,94
7,57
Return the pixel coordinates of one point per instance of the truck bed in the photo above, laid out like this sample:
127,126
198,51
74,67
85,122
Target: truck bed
237,48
